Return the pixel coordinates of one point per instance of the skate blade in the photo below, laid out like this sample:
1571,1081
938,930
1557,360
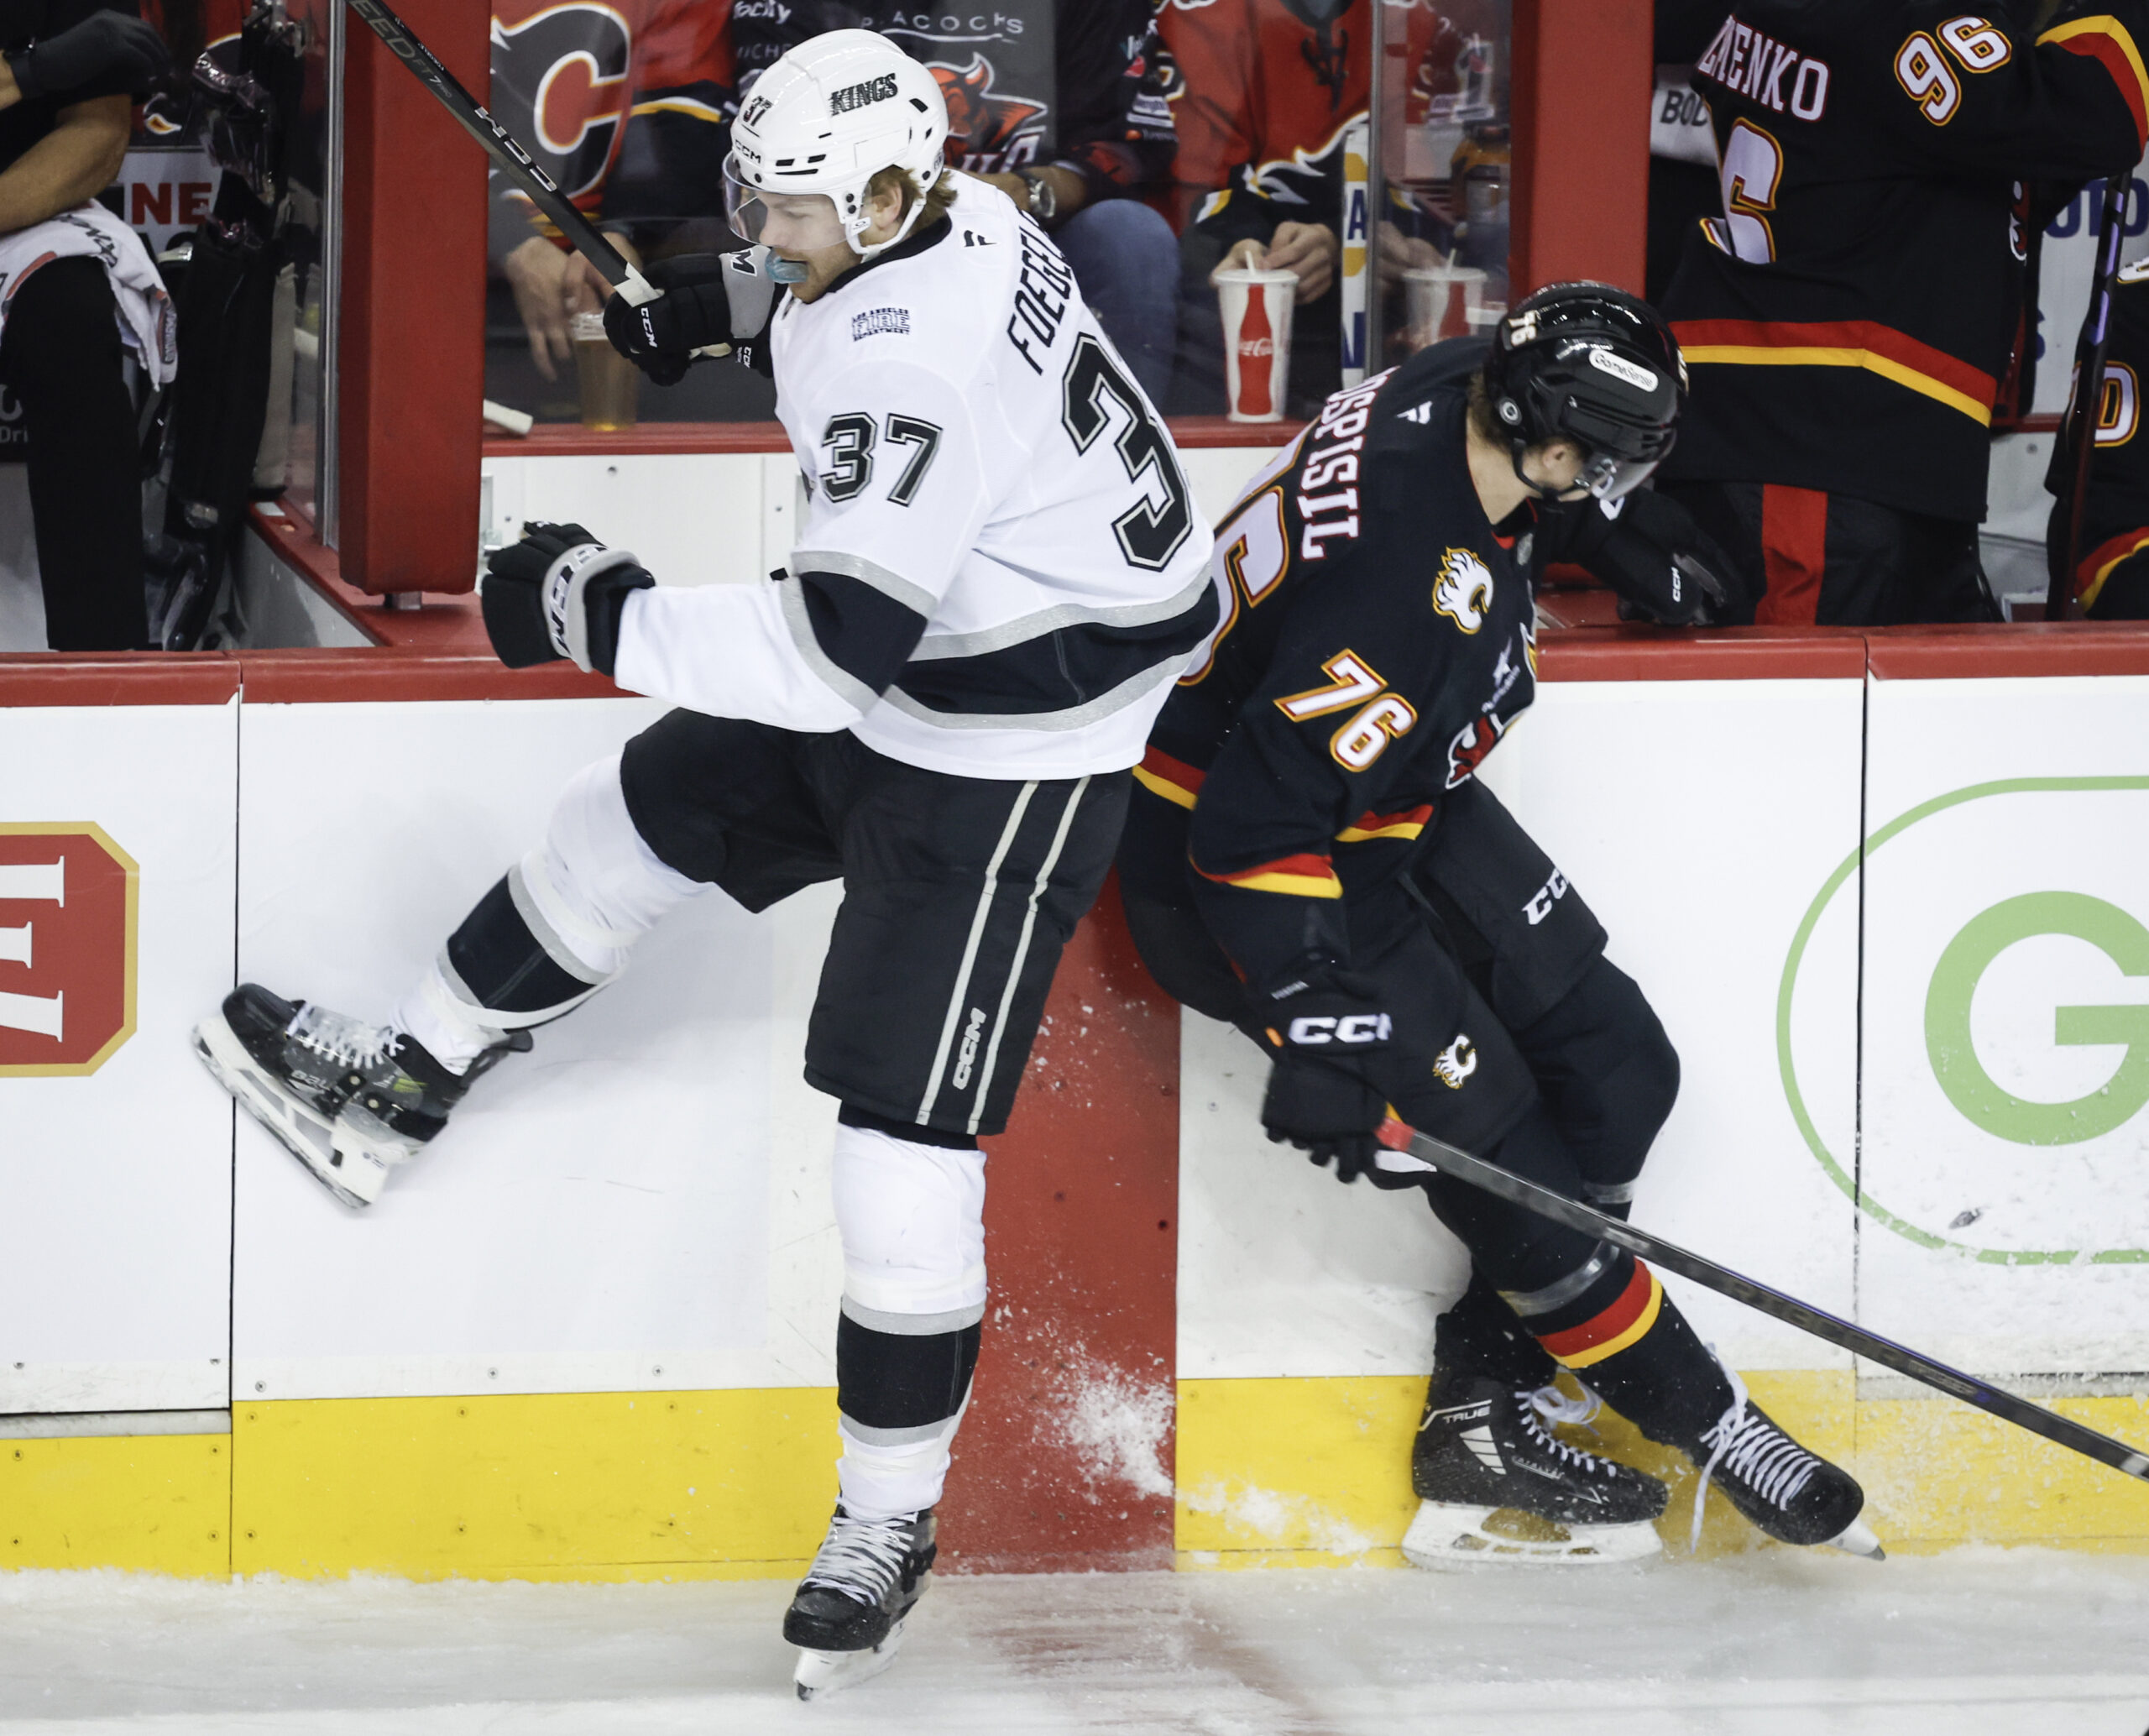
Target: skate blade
1859,1539
300,1131
1447,1534
822,1673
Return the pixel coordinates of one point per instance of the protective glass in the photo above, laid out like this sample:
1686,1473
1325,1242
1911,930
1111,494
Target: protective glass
796,222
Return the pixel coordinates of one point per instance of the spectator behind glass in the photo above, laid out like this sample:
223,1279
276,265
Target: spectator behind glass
1268,88
634,121
1097,86
82,291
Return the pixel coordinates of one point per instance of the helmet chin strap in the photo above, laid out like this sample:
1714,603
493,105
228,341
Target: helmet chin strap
873,250
1538,490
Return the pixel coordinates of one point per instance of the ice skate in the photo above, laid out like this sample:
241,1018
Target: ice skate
1495,1485
847,1618
348,1099
1793,1495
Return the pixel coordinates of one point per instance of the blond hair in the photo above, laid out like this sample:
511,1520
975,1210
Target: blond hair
892,180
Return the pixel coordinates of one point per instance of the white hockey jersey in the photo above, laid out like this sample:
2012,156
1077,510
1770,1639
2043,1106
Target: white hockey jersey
1002,568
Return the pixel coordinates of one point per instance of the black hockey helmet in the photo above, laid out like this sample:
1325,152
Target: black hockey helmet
1588,363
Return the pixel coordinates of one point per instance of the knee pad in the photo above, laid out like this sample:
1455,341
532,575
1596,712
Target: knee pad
911,1216
594,887
1609,1076
559,926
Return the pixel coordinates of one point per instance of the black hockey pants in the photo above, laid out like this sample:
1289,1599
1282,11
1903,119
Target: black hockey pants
61,358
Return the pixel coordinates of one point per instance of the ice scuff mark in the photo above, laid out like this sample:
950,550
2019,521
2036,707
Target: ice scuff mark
1276,1520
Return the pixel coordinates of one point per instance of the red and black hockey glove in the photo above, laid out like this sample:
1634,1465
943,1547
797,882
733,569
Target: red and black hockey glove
1324,1028
558,593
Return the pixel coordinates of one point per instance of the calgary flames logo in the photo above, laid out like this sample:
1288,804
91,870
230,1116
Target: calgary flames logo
985,130
1456,1062
1463,592
560,85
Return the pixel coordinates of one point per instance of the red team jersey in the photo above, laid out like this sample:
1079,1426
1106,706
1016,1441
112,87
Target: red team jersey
1266,90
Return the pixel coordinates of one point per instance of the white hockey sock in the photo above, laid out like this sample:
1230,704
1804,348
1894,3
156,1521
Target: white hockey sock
434,1014
880,1480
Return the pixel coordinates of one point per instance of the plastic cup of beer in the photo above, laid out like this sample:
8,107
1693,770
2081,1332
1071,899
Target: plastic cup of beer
1257,309
1437,302
610,383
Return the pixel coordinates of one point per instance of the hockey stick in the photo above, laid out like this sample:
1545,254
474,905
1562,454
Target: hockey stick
1435,1154
507,152
2083,413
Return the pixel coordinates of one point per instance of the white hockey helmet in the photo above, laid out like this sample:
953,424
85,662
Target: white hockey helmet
828,118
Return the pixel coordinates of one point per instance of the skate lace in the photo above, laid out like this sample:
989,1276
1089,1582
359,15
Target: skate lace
341,1039
1552,1406
1750,1447
864,1558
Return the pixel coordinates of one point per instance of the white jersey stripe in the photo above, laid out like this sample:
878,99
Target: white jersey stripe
954,1020
1022,951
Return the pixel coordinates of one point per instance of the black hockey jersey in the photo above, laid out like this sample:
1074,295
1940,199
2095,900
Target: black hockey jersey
1378,639
2115,516
1848,320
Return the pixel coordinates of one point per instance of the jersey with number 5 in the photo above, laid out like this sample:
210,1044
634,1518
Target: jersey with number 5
1849,318
1000,569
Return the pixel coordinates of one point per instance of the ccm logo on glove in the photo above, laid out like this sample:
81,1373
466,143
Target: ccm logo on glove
1352,1027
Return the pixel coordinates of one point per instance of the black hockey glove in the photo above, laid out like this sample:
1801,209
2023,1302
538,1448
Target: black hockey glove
709,299
558,593
1648,548
1317,1099
106,46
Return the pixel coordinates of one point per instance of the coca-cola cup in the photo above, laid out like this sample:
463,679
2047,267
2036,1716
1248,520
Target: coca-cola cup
1257,309
1438,302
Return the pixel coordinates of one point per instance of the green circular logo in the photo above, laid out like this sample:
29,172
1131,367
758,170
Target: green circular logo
1955,1064
1961,1076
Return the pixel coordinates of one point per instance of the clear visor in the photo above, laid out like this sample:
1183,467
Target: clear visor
788,222
1608,477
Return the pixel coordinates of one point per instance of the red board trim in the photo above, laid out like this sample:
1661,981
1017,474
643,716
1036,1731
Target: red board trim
570,440
29,678
2028,649
1640,653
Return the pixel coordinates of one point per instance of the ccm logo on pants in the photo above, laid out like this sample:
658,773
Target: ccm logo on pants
1351,1027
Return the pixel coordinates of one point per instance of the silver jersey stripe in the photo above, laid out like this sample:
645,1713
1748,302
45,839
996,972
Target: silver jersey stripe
969,952
1023,628
1608,1193
839,681
545,934
912,1325
1129,692
1530,1303
1022,951
919,601
868,1436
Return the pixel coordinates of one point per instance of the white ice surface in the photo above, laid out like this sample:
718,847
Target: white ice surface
1767,1644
